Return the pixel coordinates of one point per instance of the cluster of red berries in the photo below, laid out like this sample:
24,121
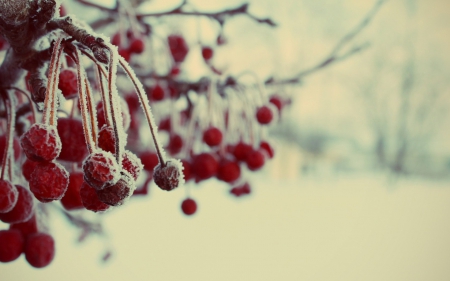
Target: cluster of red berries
129,43
24,236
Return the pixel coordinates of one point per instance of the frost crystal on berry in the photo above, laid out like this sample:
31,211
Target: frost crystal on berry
170,176
41,143
101,170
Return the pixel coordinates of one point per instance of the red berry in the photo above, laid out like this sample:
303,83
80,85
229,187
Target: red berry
186,170
28,168
204,166
264,115
115,195
189,206
23,210
68,83
101,170
255,160
73,141
178,47
90,199
165,125
212,136
39,249
49,181
125,111
11,245
27,227
207,53
8,196
125,54
72,199
115,40
106,139
276,100
175,144
17,147
168,177
149,160
241,150
229,171
137,46
266,147
41,143
157,93
132,164
175,70
241,190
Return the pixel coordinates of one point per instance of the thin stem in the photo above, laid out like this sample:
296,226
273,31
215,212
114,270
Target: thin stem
33,109
49,115
113,99
84,110
146,108
90,102
10,119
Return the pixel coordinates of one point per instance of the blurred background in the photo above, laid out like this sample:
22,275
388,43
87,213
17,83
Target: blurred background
359,188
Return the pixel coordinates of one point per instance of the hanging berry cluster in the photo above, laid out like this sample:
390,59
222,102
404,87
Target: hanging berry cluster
217,126
71,150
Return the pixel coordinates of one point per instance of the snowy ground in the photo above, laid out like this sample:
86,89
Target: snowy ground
310,229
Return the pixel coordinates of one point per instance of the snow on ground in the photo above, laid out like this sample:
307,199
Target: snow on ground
334,228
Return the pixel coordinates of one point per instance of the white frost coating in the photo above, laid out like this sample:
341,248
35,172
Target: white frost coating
10,140
84,111
144,103
52,71
112,90
177,164
111,165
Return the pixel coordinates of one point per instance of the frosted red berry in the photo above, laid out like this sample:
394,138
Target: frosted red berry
68,83
71,134
186,170
23,210
241,150
11,245
178,48
264,115
49,181
72,199
207,53
189,206
27,227
106,139
212,136
90,199
204,166
149,160
116,194
175,144
229,171
255,160
132,164
101,170
168,177
41,143
28,168
115,40
125,54
8,196
157,93
137,46
267,148
277,101
165,125
39,249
